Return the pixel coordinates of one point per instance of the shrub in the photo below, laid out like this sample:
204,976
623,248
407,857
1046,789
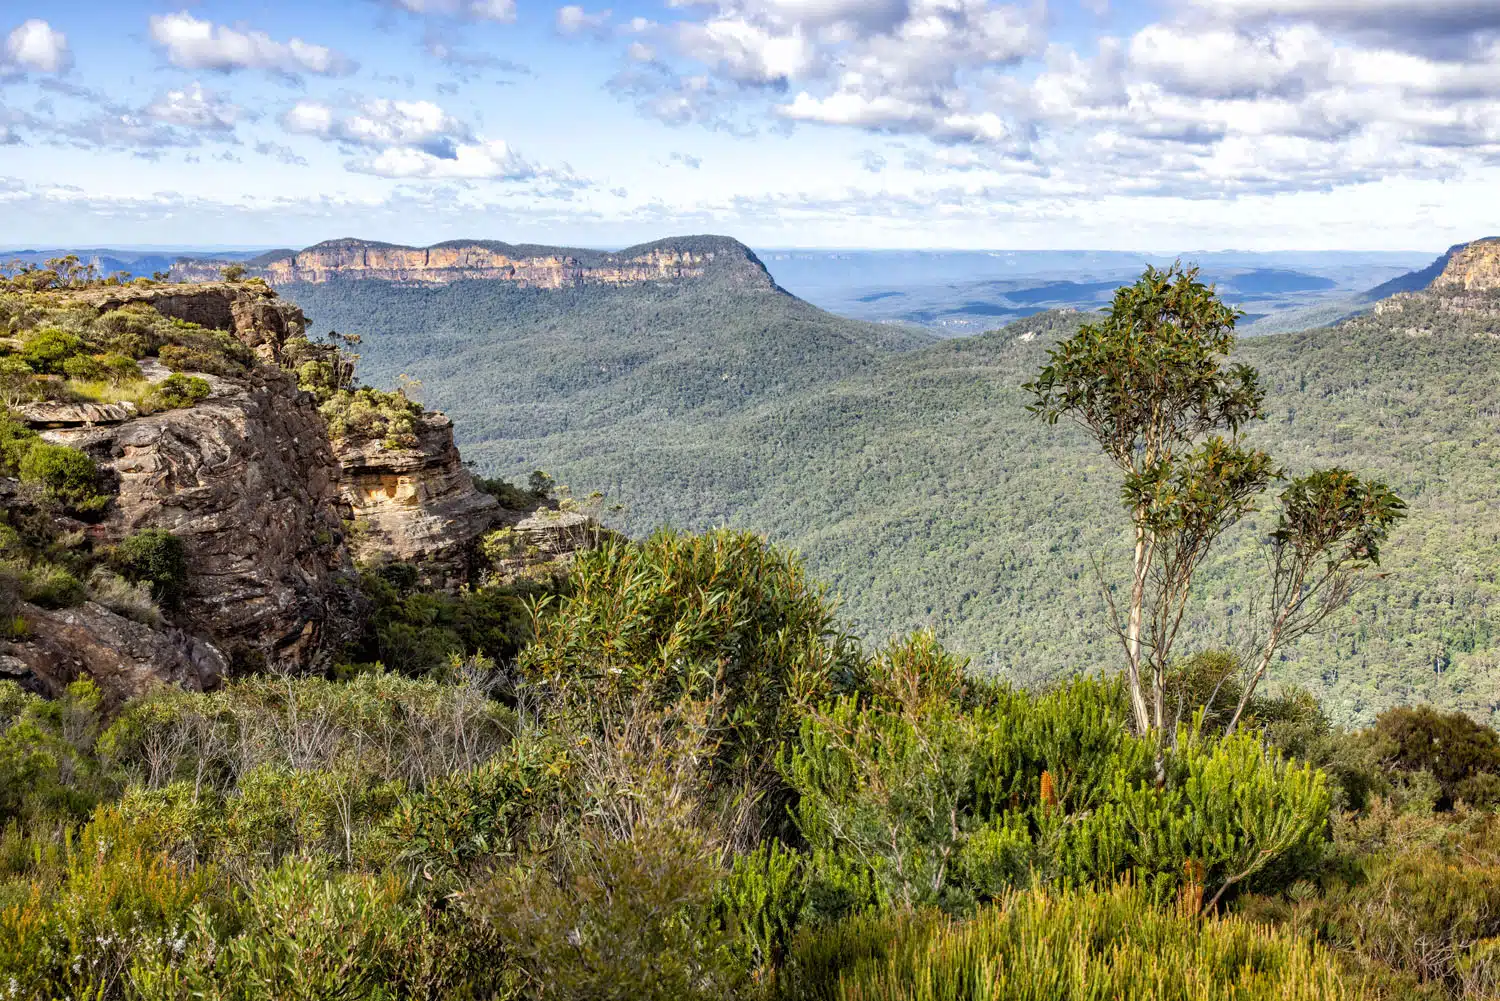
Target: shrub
119,369
65,474
16,439
627,921
1464,756
721,615
51,586
367,415
84,368
303,934
18,384
178,390
1078,944
158,559
47,350
122,597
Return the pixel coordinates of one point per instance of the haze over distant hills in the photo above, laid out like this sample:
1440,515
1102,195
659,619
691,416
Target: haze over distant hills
906,469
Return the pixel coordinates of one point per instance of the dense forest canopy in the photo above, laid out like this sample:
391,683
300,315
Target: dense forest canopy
911,477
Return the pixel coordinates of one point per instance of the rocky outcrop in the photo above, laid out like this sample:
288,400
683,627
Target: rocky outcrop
124,658
250,310
418,504
530,266
1473,268
247,480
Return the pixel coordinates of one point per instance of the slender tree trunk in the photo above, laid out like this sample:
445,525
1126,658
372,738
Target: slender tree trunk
1133,627
1260,671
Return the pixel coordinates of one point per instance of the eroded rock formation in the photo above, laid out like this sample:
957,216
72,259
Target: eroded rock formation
1474,268
123,657
417,505
247,480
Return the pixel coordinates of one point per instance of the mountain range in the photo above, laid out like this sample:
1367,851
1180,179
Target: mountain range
905,467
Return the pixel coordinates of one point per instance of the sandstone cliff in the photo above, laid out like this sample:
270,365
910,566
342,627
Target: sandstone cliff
1474,268
247,480
417,504
668,260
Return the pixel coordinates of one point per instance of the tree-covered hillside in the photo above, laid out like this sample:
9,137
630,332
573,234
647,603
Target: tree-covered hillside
912,477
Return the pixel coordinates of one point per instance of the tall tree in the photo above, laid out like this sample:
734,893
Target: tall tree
1151,382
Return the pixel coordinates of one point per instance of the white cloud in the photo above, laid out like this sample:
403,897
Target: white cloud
381,123
35,46
192,43
574,20
503,11
195,107
493,160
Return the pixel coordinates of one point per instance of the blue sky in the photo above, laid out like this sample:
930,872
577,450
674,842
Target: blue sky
1117,124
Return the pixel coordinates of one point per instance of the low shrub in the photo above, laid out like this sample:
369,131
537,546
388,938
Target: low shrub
157,559
132,600
366,415
177,391
67,476
47,350
1037,946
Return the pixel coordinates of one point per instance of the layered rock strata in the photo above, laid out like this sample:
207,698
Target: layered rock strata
247,480
527,266
416,505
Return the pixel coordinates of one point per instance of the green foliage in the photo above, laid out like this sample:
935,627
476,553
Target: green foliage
18,383
626,920
764,896
947,797
1039,947
66,475
155,557
1462,755
178,390
417,631
48,350
365,415
721,617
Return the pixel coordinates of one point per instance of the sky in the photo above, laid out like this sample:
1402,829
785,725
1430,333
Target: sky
1162,125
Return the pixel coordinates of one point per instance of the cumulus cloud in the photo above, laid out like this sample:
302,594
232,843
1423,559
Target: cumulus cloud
574,20
192,43
195,107
877,65
686,159
36,47
381,123
282,154
417,140
494,160
503,11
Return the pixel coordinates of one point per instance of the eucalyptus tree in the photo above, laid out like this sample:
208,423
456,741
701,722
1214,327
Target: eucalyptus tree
1152,383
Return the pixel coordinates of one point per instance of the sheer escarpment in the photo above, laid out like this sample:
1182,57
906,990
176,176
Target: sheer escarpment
1474,268
672,260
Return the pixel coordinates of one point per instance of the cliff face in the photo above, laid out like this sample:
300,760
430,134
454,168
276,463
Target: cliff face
1474,268
417,505
529,266
247,480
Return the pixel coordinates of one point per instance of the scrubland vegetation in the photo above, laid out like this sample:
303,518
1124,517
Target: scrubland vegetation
691,782
677,772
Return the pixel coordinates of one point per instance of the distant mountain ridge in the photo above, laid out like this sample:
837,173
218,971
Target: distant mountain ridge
527,265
